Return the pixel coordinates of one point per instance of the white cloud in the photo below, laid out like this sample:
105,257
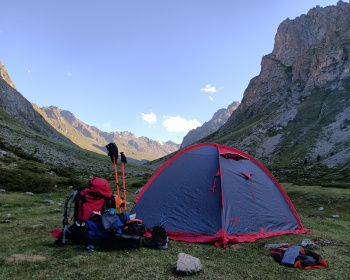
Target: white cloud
178,124
69,74
208,88
106,125
149,118
28,70
211,98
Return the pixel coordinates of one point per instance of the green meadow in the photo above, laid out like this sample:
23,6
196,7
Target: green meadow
27,250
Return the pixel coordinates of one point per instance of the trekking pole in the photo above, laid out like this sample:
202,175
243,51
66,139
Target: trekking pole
113,153
117,184
124,161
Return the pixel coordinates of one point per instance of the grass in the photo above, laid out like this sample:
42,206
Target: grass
33,219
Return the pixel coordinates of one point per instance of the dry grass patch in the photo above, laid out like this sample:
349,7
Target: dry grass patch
24,257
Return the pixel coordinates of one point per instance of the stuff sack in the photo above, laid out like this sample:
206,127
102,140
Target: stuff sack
306,259
95,198
97,235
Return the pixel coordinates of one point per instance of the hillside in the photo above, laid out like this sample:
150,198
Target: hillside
16,105
27,140
296,112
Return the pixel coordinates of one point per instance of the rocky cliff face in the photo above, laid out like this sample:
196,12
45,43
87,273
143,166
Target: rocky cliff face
218,119
12,102
297,109
93,139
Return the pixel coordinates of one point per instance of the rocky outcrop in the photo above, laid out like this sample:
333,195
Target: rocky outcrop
294,110
218,119
311,51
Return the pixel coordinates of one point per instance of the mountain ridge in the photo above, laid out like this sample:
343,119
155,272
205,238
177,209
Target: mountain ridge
217,120
91,138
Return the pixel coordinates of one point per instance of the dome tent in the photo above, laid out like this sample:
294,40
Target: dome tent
214,193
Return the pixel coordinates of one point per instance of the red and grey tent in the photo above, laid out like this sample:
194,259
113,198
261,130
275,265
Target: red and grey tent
214,193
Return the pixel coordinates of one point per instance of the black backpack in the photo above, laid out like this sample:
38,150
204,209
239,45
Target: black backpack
306,259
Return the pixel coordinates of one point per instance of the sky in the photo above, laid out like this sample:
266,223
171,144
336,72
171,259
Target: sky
156,68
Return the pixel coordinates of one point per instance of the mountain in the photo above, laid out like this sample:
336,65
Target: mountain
23,129
296,112
12,102
218,119
91,138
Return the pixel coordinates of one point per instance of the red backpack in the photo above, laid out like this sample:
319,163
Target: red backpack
95,198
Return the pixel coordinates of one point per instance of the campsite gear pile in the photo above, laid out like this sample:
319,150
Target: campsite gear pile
96,227
214,193
294,256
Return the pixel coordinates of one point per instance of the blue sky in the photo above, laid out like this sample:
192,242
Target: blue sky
156,68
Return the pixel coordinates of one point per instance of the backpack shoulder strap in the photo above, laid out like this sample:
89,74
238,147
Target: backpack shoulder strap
66,213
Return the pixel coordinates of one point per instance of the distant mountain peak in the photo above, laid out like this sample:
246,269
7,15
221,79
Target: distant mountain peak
5,76
218,119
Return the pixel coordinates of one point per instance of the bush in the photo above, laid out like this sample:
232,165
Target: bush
336,185
22,180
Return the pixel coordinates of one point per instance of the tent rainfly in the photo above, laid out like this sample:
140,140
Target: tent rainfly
214,193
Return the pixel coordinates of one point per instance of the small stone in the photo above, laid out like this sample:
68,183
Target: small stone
276,245
320,209
59,204
139,190
49,201
29,193
9,215
2,190
35,226
70,187
186,264
335,216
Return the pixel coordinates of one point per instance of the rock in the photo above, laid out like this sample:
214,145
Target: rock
308,244
59,204
186,264
139,190
9,215
29,193
335,216
276,245
320,209
2,190
70,187
49,201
